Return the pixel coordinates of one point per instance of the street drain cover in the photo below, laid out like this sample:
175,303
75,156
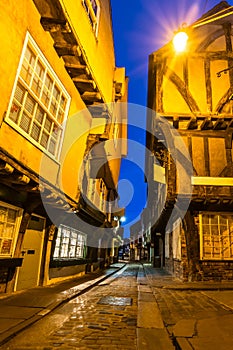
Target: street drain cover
110,300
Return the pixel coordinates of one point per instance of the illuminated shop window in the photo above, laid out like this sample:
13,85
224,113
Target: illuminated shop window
10,217
70,243
39,102
216,236
92,8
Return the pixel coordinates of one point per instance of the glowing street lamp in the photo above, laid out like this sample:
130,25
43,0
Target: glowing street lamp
181,37
180,41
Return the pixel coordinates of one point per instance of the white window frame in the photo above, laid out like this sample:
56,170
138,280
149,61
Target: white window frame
48,117
5,237
219,246
93,17
70,243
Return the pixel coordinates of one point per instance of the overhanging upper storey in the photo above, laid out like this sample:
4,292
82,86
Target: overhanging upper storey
77,32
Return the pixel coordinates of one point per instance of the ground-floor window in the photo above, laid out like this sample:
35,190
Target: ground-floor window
10,217
216,236
70,243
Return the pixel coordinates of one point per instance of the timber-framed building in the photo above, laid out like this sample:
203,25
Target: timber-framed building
190,97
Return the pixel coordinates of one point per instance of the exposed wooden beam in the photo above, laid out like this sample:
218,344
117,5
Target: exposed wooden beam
91,97
183,90
77,69
84,84
192,124
207,124
64,49
220,125
175,122
230,125
6,168
54,24
19,179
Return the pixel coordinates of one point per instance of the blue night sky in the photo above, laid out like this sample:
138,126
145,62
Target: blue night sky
141,27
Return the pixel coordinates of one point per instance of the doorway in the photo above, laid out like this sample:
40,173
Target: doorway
31,252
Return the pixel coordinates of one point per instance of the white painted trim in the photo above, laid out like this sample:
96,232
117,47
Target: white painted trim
212,181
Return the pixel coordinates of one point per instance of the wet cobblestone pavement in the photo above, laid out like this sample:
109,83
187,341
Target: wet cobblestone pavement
87,323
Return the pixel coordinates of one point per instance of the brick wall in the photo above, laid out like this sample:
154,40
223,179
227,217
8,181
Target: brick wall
217,270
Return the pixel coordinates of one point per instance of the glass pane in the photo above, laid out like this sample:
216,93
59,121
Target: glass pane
36,85
64,251
48,124
72,252
74,235
30,56
26,72
205,219
10,230
2,225
56,93
60,115
35,133
56,253
223,220
39,115
53,106
25,122
52,146
40,70
56,131
214,219
3,213
48,82
6,246
63,102
44,140
15,112
73,241
12,214
19,93
45,97
29,104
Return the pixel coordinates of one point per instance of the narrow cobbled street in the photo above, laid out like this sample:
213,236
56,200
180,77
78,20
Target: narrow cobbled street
135,307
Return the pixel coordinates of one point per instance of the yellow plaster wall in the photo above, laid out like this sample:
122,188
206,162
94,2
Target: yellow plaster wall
173,102
15,21
99,50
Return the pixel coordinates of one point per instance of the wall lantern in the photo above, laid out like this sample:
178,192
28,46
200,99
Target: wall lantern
181,37
180,41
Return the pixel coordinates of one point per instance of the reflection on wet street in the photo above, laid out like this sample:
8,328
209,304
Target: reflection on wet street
105,317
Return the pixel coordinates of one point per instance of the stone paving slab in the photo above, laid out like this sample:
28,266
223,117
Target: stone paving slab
149,315
144,288
214,334
146,297
7,323
15,312
36,299
185,328
153,339
221,296
183,343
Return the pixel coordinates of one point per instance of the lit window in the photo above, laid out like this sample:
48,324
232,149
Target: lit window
216,236
92,8
70,243
39,101
9,223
